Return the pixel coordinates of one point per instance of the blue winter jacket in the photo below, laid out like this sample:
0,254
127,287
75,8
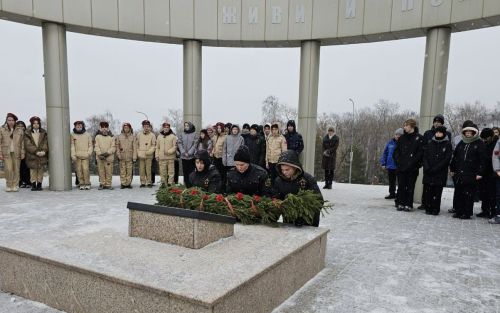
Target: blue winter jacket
386,158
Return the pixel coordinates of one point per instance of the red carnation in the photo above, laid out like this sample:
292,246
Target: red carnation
176,190
194,192
219,198
205,197
239,196
257,198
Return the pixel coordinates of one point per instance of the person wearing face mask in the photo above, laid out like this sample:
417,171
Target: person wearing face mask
291,179
187,147
126,153
166,148
37,152
146,146
437,156
247,178
105,148
81,152
467,168
205,175
11,151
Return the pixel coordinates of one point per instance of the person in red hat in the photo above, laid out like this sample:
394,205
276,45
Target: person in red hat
105,154
166,149
81,152
126,152
36,145
146,146
11,151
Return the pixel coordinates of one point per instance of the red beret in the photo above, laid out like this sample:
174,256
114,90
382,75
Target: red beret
78,122
34,118
104,124
146,122
12,115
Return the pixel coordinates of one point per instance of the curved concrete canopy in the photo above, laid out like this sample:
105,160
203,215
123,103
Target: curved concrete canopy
256,23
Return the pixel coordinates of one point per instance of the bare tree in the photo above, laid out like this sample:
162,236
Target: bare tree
175,118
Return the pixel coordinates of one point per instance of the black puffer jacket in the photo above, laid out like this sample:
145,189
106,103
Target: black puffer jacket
251,182
437,156
468,161
209,179
257,147
294,140
409,152
301,181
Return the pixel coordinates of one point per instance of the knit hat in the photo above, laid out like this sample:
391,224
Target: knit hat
487,133
146,122
12,115
467,123
242,155
438,118
33,119
203,156
104,124
79,122
255,127
399,132
440,129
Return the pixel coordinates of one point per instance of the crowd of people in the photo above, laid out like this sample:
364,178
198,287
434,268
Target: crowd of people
471,159
254,160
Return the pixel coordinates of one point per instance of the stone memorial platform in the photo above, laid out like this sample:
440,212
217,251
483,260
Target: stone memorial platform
80,258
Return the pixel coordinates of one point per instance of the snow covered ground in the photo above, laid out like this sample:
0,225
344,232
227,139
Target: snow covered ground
378,260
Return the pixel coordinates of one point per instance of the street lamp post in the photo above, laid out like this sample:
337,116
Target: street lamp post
352,141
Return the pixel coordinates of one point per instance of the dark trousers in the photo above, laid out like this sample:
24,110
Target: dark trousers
176,171
465,198
433,198
273,172
497,194
455,194
329,174
154,166
392,181
222,171
406,187
188,167
24,174
487,187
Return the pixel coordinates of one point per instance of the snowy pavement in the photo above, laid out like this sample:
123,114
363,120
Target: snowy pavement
378,259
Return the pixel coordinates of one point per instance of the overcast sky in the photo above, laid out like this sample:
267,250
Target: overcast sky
124,76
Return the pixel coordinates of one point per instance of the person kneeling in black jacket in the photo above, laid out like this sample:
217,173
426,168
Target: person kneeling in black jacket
246,177
205,175
291,179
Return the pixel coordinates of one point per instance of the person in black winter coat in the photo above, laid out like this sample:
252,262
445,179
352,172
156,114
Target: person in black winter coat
438,121
293,138
292,178
205,175
330,145
437,156
408,157
487,185
257,146
247,178
467,168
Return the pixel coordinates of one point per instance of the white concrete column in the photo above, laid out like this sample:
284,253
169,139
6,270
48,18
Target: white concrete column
192,82
437,53
57,104
308,101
